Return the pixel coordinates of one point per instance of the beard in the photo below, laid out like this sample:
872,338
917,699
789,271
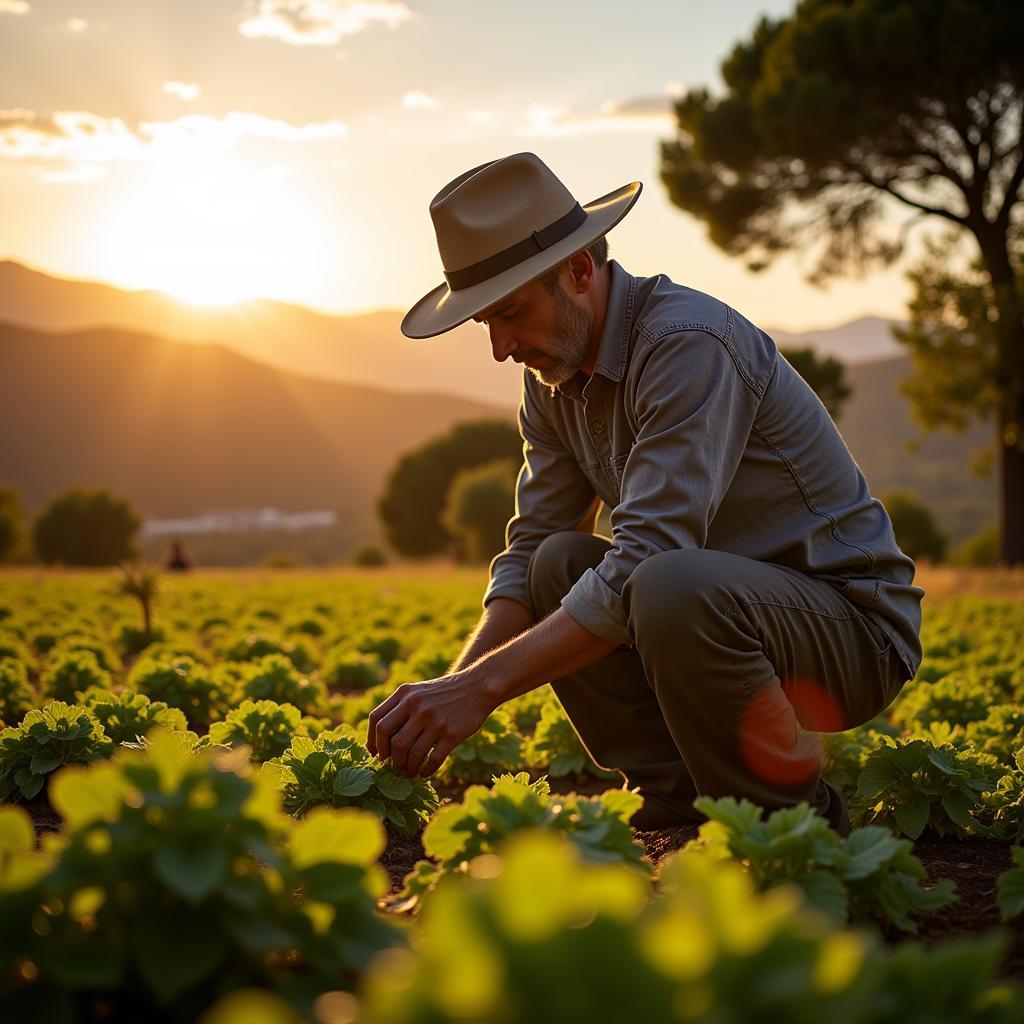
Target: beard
571,338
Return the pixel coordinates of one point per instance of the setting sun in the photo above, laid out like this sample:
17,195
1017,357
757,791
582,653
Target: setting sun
214,229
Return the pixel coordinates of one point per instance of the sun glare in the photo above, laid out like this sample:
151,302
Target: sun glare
214,231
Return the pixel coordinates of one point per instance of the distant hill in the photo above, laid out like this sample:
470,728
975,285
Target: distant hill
98,405
876,425
180,428
368,349
866,339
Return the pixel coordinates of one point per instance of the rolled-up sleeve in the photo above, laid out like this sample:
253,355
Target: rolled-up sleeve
552,494
694,413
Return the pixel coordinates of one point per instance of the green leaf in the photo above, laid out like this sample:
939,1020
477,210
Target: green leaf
442,838
193,868
913,817
43,764
393,786
177,950
348,836
958,806
866,850
353,781
826,893
1010,887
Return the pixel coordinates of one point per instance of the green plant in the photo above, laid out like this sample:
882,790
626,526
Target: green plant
1004,805
72,672
494,748
1010,886
348,670
868,875
103,652
48,738
556,748
176,878
275,678
184,684
909,785
1000,733
488,816
336,770
142,582
16,695
125,716
265,726
255,646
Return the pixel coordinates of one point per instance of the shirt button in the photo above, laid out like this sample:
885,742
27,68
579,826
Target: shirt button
597,426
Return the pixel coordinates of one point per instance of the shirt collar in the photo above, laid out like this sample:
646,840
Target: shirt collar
613,347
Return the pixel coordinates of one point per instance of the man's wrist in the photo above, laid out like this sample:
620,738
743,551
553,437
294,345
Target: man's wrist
480,677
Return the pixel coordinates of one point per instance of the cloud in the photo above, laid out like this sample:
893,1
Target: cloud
195,129
480,116
78,174
651,113
319,22
75,26
14,7
187,91
65,134
78,137
418,101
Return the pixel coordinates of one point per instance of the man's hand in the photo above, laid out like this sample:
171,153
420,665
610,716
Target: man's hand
420,723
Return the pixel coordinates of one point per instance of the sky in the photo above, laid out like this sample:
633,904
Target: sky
226,149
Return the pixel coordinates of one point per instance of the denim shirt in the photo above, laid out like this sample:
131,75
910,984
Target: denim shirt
697,433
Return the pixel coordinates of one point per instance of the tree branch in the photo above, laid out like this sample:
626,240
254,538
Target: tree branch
889,189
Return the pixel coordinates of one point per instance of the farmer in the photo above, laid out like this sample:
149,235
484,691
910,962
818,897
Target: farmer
752,593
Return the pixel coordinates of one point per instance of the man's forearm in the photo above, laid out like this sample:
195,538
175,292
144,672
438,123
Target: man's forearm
549,650
502,619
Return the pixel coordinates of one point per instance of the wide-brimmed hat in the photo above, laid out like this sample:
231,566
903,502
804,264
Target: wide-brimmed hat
498,227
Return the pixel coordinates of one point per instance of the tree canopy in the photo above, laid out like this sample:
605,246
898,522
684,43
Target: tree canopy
849,122
415,492
86,527
825,375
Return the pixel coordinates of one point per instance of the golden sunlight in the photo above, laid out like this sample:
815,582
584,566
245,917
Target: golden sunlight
213,230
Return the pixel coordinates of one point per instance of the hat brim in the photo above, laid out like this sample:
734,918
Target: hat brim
442,309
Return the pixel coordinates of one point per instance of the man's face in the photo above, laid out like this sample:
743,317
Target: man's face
549,334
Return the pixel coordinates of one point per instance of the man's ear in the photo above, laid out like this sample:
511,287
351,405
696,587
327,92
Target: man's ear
581,272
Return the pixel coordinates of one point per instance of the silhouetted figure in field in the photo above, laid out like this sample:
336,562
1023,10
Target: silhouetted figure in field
177,558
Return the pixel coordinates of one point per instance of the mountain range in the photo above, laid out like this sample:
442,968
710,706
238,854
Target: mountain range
104,387
364,349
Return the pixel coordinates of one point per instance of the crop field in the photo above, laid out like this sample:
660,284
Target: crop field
192,829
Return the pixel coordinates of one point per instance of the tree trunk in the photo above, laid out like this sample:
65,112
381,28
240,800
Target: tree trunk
1008,296
1011,488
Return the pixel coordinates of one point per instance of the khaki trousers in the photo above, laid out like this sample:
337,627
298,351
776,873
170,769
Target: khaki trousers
736,667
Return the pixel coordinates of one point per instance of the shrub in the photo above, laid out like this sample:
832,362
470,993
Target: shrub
72,672
48,738
369,556
83,527
478,506
916,531
336,770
